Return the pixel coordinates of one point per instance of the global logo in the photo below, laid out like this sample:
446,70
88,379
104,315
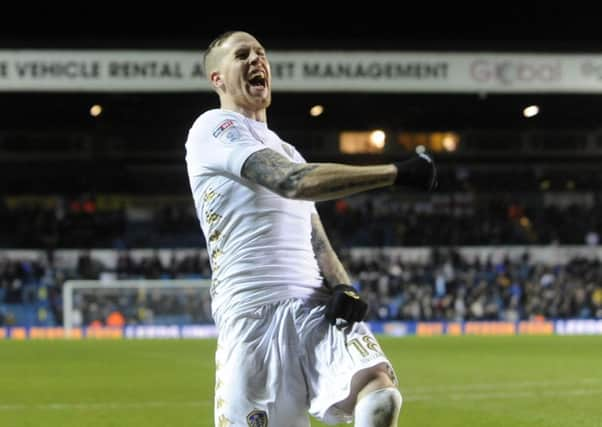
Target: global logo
515,72
591,69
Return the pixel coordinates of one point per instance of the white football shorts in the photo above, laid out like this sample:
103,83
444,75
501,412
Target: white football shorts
283,360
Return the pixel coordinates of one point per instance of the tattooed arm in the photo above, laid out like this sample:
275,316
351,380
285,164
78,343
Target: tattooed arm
331,267
314,181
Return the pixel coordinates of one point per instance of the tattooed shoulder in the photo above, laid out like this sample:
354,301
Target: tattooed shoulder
265,165
274,171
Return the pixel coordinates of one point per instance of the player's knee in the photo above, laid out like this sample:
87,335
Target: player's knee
381,407
363,384
388,401
373,380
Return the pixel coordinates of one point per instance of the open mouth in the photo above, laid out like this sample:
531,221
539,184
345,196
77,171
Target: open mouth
258,81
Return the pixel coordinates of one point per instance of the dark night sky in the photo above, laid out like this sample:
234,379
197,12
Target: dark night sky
534,25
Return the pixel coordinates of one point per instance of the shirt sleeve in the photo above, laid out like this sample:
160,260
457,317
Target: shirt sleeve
294,155
298,158
219,143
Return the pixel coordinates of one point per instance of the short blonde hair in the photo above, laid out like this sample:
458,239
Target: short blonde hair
217,42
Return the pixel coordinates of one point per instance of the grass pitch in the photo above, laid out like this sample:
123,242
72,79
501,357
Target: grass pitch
446,381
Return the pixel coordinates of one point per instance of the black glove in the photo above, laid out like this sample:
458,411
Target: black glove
417,172
345,303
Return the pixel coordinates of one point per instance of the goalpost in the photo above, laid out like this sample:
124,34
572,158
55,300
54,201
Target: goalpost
139,301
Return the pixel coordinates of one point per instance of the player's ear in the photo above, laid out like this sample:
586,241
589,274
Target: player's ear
216,79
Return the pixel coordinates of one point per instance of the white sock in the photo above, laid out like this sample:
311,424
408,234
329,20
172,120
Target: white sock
379,408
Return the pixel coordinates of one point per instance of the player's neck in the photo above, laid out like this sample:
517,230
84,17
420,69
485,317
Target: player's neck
258,115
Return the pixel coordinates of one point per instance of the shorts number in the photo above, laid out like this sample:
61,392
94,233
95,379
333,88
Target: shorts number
369,343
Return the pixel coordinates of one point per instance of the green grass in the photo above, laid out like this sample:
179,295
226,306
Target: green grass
446,381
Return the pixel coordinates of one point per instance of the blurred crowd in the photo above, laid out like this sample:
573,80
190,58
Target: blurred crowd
381,218
448,286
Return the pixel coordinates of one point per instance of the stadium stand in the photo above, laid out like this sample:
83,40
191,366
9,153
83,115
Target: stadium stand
71,181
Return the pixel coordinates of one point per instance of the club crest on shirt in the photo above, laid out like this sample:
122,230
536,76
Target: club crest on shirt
257,418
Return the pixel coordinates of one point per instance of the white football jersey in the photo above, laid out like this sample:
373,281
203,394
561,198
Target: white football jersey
259,243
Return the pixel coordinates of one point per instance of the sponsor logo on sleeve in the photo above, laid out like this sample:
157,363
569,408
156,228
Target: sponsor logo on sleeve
222,127
227,131
231,135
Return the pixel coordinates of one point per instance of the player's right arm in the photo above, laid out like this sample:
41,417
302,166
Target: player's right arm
327,181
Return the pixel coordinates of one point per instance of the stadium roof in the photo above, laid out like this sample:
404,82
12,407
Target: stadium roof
535,25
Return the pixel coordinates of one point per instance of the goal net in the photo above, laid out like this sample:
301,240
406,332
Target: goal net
124,303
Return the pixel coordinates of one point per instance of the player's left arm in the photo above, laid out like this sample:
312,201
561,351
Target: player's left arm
344,304
330,266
